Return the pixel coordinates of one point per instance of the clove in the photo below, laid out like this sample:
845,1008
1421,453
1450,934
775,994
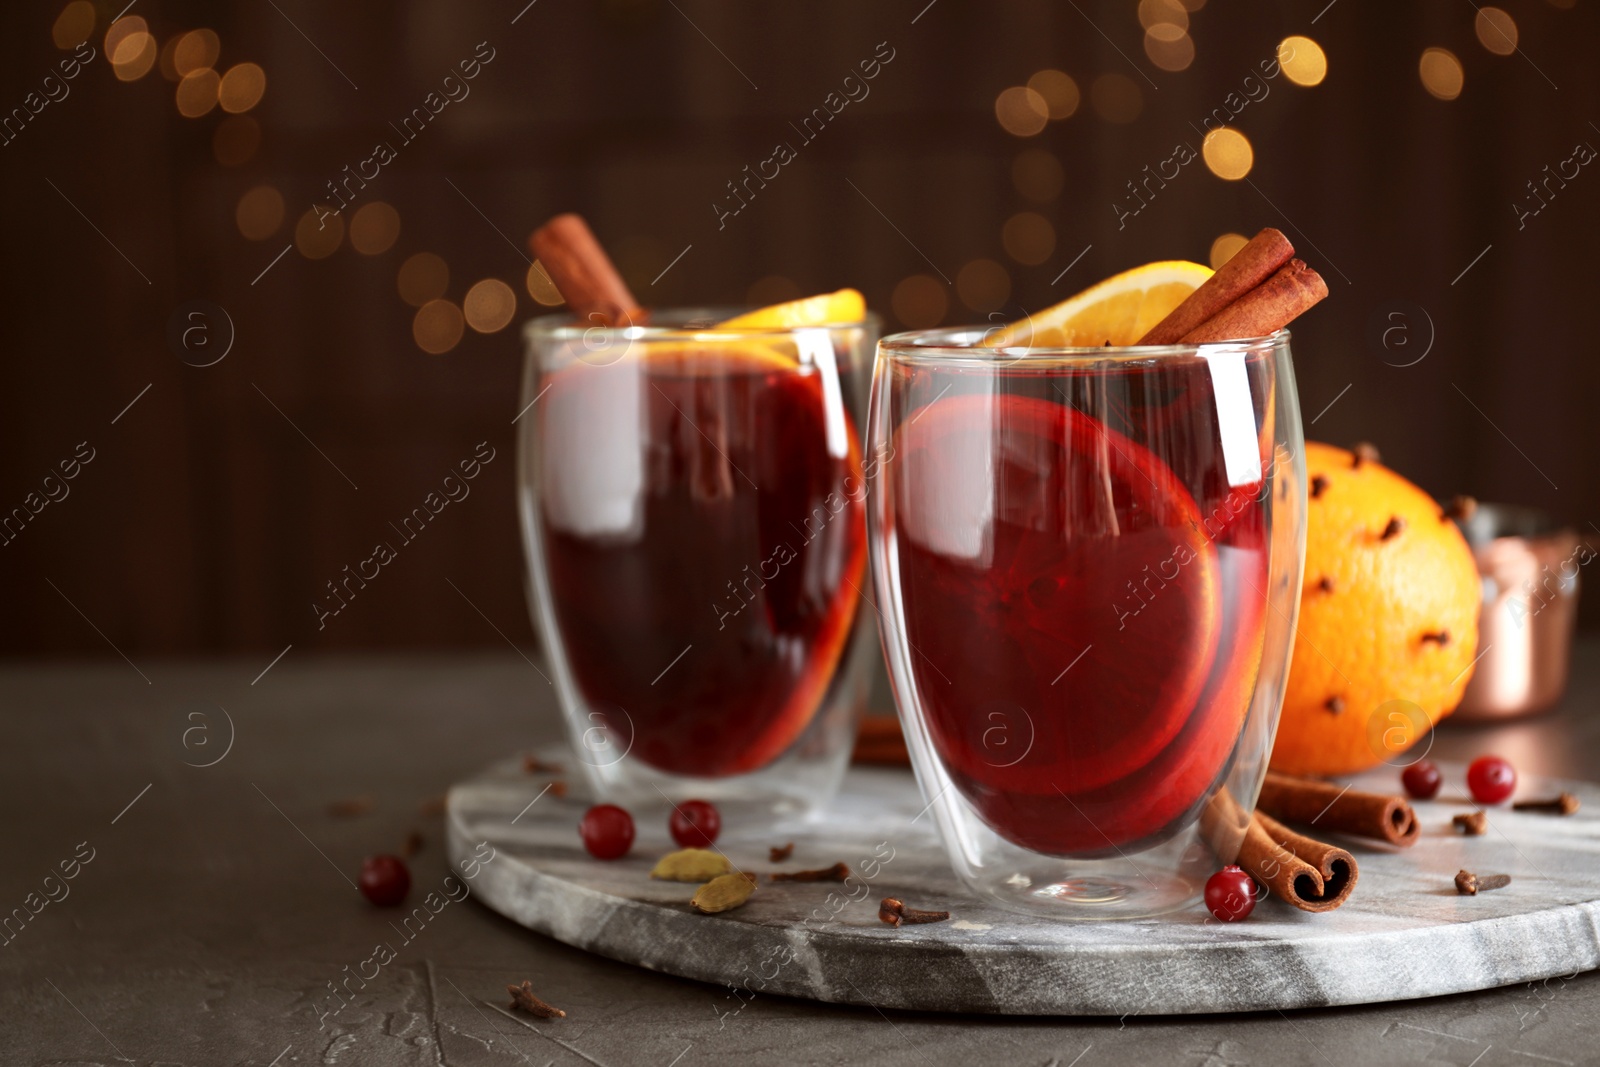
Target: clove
1565,804
1460,508
895,913
777,854
1364,452
837,873
1469,884
1396,524
1334,704
1473,824
523,999
1319,485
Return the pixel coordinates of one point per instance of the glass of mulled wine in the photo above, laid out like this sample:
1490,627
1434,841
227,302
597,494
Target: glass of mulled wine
693,510
1088,562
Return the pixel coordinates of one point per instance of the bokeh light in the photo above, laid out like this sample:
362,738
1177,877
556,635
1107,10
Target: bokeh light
167,62
374,228
544,291
1037,175
983,285
120,31
134,55
1169,47
1228,153
197,93
423,277
319,239
1059,91
1163,12
1441,73
773,289
1116,98
1226,247
489,305
920,301
1022,111
74,25
1497,31
260,212
1303,60
196,50
236,139
242,87
1028,238
437,327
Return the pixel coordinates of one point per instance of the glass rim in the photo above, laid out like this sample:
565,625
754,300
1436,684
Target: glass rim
940,344
564,326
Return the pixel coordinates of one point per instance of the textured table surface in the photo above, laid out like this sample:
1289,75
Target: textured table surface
217,907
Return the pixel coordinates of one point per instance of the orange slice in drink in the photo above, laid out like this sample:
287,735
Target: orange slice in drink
1117,311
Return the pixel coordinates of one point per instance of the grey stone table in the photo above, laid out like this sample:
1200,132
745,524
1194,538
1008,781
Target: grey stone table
211,913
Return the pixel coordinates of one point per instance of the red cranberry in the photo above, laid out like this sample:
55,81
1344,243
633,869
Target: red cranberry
1230,894
695,824
385,880
1421,779
607,831
1491,779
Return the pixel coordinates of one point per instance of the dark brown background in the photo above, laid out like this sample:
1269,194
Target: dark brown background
208,524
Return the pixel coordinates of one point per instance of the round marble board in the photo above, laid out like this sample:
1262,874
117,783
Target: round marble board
1404,933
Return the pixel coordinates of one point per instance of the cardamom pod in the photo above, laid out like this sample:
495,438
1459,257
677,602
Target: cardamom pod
724,893
691,865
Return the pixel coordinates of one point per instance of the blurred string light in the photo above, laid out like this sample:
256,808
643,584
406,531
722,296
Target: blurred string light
235,140
1302,61
1058,91
1028,238
1021,111
1226,247
167,60
196,50
131,48
319,239
489,305
423,277
1497,31
544,291
1441,73
920,301
1116,98
1037,175
260,212
74,25
437,327
242,87
197,93
374,228
1154,13
1227,153
773,289
1169,46
983,285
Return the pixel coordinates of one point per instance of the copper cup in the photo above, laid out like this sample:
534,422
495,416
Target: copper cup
1529,565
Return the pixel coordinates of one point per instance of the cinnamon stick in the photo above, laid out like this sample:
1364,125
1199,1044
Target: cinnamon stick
1266,309
1332,807
584,274
1306,873
1300,871
1249,267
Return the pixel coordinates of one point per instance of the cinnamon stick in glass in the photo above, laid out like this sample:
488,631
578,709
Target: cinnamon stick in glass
1264,310
1253,264
583,273
1332,807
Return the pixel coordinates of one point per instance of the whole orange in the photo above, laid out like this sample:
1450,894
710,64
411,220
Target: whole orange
1388,618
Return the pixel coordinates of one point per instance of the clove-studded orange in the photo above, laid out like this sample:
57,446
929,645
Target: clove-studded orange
1388,618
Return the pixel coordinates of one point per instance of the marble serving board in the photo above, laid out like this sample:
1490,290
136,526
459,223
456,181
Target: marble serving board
1404,933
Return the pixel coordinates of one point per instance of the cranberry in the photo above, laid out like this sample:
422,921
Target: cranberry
1230,894
1491,779
607,831
385,880
1421,779
695,824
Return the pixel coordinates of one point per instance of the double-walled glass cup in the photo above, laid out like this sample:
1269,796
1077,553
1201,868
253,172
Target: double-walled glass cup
693,510
1088,563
